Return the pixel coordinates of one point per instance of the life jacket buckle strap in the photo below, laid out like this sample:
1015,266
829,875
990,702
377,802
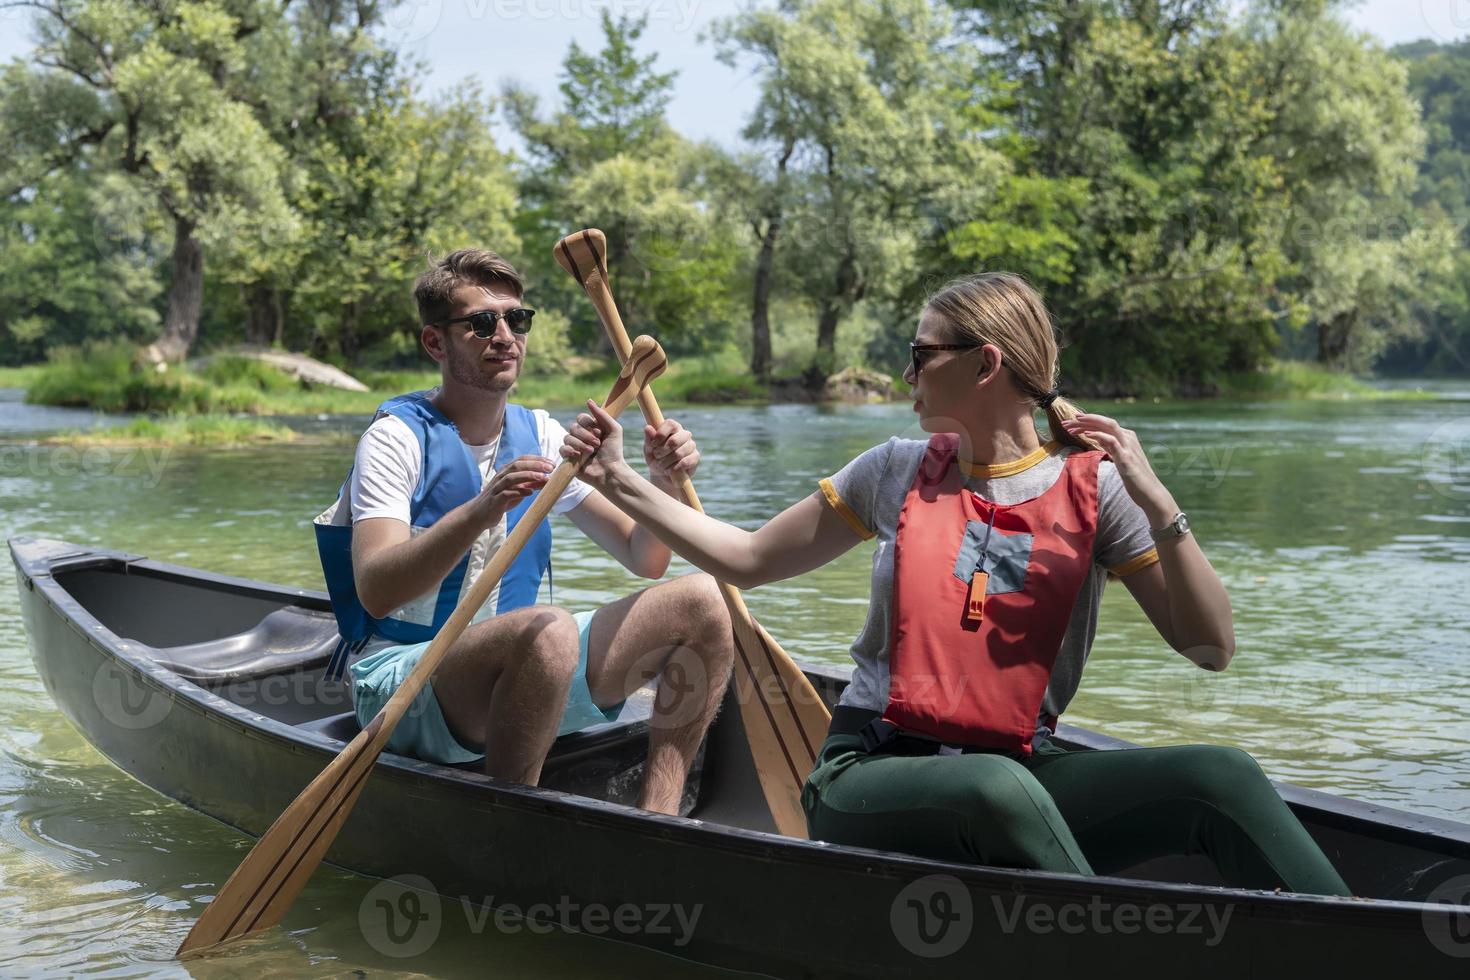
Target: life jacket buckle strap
877,734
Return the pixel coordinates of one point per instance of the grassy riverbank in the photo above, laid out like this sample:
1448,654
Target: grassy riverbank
106,379
1299,381
213,404
220,431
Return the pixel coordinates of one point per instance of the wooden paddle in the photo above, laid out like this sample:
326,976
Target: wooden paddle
784,717
268,880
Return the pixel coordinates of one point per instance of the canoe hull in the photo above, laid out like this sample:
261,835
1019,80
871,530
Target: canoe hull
759,902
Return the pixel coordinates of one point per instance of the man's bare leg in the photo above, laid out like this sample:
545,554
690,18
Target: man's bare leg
677,631
504,686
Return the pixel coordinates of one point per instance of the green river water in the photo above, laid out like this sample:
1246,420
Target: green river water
1342,531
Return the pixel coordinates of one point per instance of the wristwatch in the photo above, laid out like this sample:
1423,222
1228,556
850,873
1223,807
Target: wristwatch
1176,528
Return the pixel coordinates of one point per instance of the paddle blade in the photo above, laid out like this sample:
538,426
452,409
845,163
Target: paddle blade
582,252
265,884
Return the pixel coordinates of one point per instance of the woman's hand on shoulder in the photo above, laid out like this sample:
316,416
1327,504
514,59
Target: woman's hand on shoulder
1123,448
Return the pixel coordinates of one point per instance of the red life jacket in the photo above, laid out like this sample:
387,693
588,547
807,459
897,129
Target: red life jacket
980,681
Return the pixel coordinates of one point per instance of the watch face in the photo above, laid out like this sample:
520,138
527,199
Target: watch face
1181,524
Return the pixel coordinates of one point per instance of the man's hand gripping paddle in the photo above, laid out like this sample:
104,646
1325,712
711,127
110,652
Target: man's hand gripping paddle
265,884
784,717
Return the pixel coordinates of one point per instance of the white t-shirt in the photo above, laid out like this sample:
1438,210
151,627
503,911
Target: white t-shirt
385,474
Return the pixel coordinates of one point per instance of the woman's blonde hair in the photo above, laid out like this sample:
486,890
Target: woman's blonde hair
1001,308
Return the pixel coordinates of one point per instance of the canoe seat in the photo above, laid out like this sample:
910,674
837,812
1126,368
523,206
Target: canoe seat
286,640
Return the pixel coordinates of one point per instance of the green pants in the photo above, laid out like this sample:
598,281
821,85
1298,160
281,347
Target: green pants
1080,812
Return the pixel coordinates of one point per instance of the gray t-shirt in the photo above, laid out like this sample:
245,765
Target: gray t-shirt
869,493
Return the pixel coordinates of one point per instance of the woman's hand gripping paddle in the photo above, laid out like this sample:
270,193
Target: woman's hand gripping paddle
784,717
265,884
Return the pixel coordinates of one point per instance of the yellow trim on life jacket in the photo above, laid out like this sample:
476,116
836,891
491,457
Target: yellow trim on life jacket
829,493
1136,564
991,471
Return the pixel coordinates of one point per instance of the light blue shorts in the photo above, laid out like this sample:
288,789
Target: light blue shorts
423,733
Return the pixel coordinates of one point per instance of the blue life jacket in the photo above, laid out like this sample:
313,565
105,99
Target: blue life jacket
448,477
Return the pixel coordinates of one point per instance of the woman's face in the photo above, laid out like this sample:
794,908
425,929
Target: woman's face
944,389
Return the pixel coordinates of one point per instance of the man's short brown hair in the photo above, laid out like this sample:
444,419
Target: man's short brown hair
434,290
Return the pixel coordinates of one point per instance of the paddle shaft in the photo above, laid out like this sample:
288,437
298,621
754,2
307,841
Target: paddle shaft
797,726
265,884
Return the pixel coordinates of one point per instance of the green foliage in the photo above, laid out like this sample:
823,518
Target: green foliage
1439,75
1282,380
108,376
246,372
548,346
72,271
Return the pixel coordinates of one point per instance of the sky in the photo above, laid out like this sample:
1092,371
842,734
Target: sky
496,41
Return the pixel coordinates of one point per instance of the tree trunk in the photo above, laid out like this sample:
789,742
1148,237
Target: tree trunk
846,290
1332,339
185,298
765,267
760,321
263,315
348,342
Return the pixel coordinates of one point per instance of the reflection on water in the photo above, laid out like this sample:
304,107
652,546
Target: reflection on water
1341,530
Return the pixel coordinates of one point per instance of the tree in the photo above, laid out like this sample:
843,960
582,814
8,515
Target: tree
160,95
1346,137
1137,201
1439,76
401,178
867,120
79,265
608,159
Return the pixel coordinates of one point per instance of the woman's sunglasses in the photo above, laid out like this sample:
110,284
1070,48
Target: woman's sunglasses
917,352
484,322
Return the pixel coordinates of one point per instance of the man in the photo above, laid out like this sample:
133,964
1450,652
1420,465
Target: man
439,479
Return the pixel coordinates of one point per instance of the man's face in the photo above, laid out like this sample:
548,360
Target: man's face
490,364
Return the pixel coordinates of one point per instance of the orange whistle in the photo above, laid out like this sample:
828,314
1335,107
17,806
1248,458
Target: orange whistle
975,608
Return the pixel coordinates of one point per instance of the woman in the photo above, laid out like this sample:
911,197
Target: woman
992,553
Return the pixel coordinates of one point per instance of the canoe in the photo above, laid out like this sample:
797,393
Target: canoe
211,690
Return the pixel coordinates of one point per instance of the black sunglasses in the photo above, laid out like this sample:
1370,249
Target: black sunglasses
917,350
484,322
